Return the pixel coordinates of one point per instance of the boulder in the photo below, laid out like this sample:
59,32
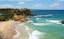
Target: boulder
62,22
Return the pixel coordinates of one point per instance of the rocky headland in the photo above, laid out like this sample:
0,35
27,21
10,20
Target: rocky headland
9,18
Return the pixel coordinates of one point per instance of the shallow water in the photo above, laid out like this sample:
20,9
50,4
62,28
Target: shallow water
47,26
41,28
51,28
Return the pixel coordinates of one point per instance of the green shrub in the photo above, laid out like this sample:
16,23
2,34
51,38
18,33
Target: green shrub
9,13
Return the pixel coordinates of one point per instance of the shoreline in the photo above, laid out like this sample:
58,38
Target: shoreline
21,28
8,29
26,33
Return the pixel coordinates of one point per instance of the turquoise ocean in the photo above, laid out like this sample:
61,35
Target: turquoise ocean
46,24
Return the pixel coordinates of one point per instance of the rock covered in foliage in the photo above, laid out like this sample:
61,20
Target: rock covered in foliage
8,13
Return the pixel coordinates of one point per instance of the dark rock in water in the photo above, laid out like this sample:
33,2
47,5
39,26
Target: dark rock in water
62,22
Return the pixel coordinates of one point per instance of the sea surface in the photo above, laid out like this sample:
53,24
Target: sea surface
46,24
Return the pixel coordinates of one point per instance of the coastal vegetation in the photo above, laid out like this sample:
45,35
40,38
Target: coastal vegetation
14,15
8,13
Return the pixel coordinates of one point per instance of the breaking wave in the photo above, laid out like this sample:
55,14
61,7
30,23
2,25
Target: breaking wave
41,24
45,15
54,21
36,35
32,35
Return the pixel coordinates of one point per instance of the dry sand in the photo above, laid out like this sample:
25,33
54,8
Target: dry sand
13,30
8,29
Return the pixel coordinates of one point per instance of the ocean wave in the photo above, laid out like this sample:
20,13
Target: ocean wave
46,15
37,18
22,31
30,21
36,35
32,35
54,21
41,24
27,28
63,24
17,35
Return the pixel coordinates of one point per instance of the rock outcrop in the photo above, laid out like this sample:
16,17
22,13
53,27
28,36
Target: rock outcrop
20,18
62,22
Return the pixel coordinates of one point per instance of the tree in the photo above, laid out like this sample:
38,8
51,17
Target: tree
9,13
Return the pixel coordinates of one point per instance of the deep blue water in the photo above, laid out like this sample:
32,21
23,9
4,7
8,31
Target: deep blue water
55,13
50,26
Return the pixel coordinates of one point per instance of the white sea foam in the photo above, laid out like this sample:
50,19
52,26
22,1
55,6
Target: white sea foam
27,28
41,24
63,24
32,35
30,21
14,37
36,35
37,18
17,36
21,24
44,15
54,21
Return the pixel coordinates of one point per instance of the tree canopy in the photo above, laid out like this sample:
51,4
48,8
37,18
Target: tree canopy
8,13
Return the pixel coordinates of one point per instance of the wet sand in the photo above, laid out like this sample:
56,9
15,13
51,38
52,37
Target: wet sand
13,30
21,32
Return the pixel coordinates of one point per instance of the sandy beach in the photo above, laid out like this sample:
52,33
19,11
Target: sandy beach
13,30
8,29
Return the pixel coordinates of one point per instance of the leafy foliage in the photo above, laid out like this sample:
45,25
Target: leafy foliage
8,13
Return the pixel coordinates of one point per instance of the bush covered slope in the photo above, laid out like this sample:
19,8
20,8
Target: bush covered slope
8,13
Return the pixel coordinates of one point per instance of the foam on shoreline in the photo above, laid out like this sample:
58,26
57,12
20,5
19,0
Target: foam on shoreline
31,34
36,35
21,31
